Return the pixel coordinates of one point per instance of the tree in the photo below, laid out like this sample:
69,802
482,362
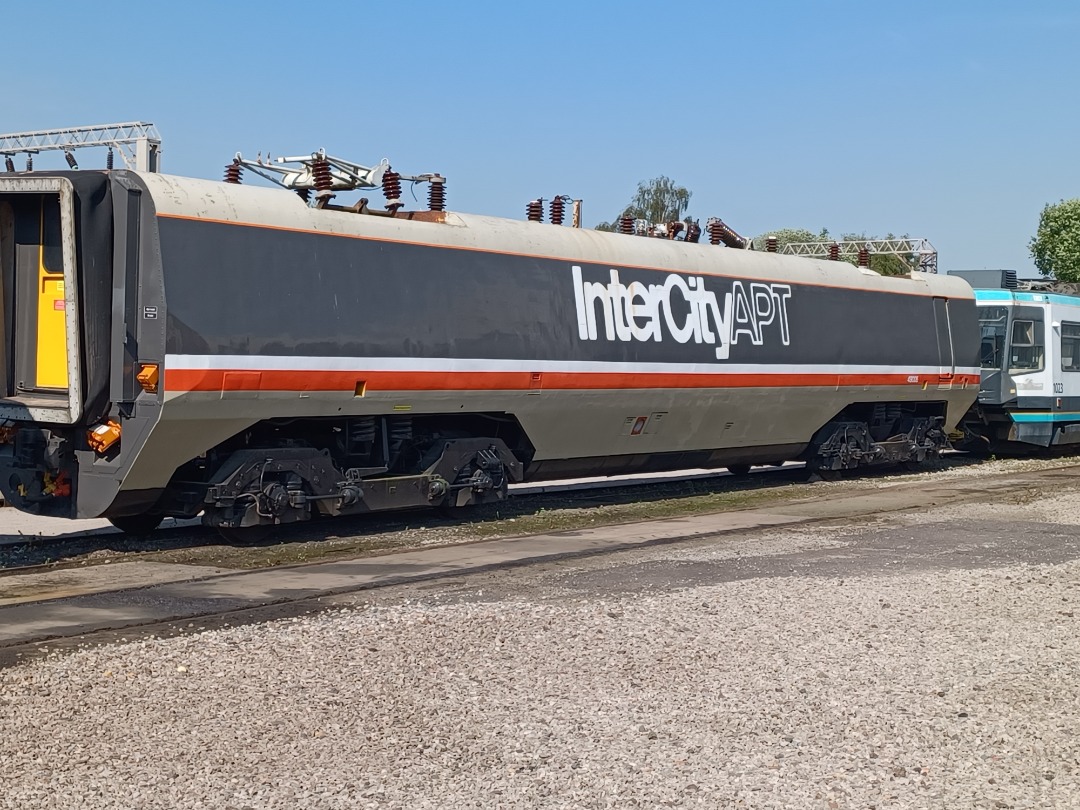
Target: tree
885,264
657,201
786,236
1056,244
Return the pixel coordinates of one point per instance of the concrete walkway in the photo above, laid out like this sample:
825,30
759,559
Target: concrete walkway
113,596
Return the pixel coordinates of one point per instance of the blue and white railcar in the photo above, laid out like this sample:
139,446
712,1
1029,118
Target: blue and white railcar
1029,394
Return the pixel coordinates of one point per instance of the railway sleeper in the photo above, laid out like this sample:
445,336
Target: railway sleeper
260,487
847,445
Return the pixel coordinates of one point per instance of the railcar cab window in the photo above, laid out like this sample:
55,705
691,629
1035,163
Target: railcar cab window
993,324
1070,346
1026,352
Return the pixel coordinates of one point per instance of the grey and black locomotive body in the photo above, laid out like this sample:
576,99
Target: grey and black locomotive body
177,346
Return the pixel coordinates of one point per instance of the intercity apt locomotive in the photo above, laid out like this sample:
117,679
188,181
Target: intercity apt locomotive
176,347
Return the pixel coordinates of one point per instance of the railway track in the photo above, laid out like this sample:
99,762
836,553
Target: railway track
533,508
22,554
191,543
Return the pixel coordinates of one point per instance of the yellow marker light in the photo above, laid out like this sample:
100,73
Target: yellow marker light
103,436
148,378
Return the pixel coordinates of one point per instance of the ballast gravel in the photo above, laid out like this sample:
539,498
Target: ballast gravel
937,689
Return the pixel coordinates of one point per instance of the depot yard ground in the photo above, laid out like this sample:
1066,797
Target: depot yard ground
924,658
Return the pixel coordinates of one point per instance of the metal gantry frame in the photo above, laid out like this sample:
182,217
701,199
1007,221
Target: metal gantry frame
917,252
138,143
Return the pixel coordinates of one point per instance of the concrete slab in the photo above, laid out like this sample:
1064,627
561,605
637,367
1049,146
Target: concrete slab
216,592
21,527
65,582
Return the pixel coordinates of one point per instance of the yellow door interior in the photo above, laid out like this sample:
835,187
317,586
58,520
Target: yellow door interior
52,361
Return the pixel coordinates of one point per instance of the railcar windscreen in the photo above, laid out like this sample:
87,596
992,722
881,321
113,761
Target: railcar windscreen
992,324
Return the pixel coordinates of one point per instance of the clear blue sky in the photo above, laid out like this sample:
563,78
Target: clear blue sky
955,121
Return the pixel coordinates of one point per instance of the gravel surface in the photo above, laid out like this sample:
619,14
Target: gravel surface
938,689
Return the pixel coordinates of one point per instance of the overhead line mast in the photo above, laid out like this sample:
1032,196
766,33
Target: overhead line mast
138,143
917,252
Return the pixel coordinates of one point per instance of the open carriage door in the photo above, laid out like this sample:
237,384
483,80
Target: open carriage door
40,361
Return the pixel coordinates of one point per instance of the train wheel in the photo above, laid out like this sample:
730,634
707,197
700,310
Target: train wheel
739,470
245,535
137,525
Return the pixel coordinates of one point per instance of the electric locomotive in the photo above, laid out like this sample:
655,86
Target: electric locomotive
176,346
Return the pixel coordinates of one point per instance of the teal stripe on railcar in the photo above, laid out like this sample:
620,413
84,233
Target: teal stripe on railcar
1026,297
1046,416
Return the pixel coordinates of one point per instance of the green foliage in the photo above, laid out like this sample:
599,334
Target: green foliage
1056,244
886,264
785,236
656,201
889,264
659,200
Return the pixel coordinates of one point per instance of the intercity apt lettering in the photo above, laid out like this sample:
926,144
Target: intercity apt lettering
683,309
